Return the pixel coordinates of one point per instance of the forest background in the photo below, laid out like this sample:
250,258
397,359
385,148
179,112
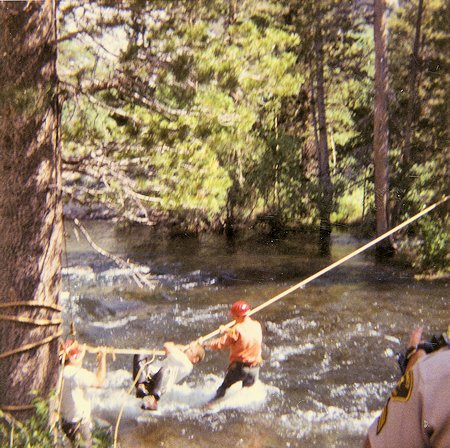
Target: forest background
194,116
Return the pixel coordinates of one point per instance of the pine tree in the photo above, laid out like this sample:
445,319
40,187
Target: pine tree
30,204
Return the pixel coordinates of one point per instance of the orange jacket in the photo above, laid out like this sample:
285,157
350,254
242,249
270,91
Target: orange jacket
244,340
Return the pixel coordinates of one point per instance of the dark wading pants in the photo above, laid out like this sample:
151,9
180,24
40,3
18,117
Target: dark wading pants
155,384
238,371
79,433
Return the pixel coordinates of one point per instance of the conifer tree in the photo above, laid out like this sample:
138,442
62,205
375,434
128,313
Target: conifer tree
30,204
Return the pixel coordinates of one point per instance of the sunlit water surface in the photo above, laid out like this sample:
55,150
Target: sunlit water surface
329,348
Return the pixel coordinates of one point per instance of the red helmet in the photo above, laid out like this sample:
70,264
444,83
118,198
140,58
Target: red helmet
240,308
69,349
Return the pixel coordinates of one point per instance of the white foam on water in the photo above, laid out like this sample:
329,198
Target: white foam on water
114,324
85,272
361,390
326,419
70,303
318,417
186,285
118,379
326,363
392,339
188,281
238,397
185,401
363,329
107,401
189,316
114,273
359,395
297,322
190,285
279,354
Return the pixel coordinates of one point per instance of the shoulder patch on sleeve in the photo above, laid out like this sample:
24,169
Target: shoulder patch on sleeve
404,387
382,418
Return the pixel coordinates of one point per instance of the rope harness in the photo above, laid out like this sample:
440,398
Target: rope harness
30,321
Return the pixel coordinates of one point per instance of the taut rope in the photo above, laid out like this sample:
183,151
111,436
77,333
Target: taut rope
332,266
124,351
130,351
293,288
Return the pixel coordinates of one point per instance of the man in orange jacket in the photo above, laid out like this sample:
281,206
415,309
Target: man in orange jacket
245,342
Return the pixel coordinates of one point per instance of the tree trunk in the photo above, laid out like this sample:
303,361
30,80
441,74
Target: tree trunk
30,203
404,180
313,107
381,130
415,64
231,204
232,11
324,167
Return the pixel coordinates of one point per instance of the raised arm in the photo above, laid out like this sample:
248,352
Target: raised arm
101,369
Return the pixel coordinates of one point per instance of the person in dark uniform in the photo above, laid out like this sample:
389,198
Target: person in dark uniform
155,379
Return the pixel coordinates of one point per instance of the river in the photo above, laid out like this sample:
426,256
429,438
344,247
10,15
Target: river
329,355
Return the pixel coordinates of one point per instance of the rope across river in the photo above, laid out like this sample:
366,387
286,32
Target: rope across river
292,288
25,320
278,296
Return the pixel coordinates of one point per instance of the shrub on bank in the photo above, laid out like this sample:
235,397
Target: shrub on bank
37,433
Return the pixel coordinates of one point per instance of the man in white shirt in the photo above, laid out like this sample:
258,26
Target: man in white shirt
75,407
155,379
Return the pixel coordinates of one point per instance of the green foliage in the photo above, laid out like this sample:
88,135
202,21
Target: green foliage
349,208
433,246
213,89
102,437
201,112
36,432
423,175
33,433
206,191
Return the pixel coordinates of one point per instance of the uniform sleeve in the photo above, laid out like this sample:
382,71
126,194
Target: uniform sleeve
227,339
400,422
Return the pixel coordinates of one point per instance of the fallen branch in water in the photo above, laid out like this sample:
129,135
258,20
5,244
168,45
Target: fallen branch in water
138,277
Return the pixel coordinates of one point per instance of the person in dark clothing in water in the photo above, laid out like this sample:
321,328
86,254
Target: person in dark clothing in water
155,379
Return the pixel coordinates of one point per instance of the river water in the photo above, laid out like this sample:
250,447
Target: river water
329,355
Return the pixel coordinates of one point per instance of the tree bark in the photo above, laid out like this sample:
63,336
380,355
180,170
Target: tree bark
404,181
313,107
381,129
414,70
30,202
230,19
230,220
324,166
